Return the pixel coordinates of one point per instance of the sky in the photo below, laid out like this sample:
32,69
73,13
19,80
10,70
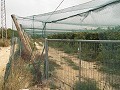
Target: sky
34,7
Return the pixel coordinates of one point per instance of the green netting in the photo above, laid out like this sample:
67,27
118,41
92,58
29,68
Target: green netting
87,16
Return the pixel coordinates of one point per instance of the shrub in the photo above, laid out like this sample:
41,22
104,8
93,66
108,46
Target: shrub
84,85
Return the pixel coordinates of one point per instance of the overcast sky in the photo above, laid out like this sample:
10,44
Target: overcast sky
33,7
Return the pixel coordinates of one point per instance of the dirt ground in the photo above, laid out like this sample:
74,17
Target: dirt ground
4,58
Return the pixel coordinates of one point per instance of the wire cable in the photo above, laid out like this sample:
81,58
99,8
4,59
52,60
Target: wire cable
55,10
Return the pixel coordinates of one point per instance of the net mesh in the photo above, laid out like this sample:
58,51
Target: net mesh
96,13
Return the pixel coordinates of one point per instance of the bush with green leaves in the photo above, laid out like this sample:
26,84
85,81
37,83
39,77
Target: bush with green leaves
109,52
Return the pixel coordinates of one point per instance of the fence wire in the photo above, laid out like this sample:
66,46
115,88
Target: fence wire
20,72
84,64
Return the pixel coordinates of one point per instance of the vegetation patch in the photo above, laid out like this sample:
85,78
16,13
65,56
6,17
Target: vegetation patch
116,86
4,43
53,86
71,63
67,47
109,60
86,85
53,65
1,82
19,77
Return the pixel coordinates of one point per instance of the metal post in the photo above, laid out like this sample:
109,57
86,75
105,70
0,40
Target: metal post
44,30
46,59
80,61
20,47
33,28
3,18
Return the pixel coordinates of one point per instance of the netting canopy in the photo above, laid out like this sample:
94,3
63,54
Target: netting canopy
96,13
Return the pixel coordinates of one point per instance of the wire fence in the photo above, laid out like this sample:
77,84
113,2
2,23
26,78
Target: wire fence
67,65
84,64
20,72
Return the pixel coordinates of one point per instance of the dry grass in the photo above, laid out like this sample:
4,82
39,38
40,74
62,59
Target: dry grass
4,43
20,77
1,83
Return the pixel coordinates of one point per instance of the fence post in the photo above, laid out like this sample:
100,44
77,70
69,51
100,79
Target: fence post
79,50
46,59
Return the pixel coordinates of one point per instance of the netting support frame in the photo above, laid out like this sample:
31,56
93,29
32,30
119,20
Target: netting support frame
46,60
79,52
44,35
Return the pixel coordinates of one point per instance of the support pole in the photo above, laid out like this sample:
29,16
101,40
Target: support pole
26,44
44,30
80,52
21,35
46,59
